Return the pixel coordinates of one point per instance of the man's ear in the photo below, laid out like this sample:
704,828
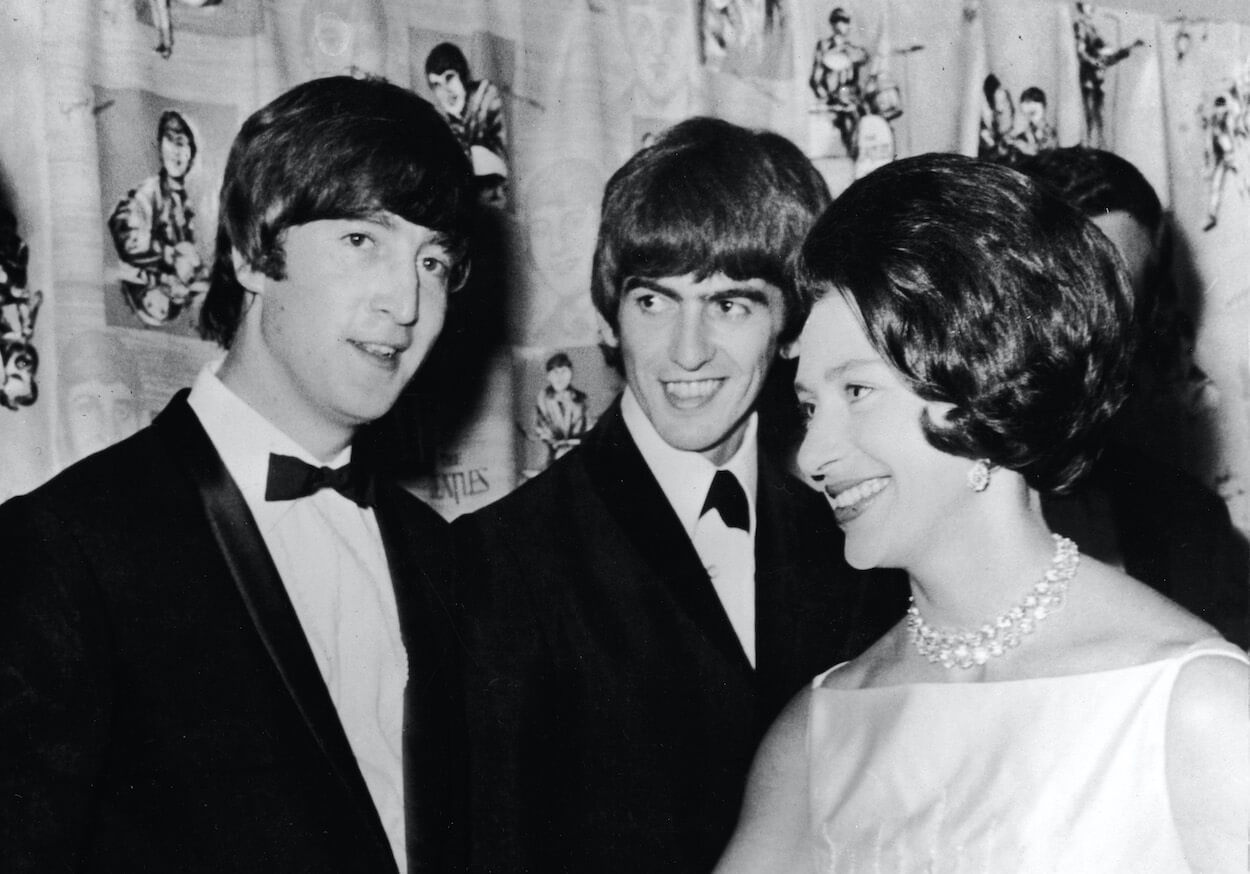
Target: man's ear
607,336
249,277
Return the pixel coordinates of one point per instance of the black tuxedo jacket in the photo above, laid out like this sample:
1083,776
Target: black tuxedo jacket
613,713
160,708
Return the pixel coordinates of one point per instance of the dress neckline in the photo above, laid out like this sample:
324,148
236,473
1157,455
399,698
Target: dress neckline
1216,646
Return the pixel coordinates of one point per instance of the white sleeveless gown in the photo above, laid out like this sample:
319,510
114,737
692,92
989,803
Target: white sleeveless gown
1061,775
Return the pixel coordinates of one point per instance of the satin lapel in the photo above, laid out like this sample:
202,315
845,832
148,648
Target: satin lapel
782,596
812,608
231,524
434,778
637,504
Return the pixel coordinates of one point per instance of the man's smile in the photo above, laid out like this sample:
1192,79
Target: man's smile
383,352
690,393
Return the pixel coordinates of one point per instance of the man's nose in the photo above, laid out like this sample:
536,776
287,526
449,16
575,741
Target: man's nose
400,293
692,347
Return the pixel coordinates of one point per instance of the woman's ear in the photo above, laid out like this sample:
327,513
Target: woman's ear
940,413
249,277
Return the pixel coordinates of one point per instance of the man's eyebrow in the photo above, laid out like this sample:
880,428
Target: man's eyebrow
749,292
385,219
381,216
441,238
657,286
653,285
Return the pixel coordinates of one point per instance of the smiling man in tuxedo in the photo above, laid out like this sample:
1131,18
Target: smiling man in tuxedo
224,645
640,611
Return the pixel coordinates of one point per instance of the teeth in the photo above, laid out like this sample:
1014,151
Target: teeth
691,388
857,493
379,350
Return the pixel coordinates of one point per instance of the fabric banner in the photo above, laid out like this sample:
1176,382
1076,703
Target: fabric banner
119,113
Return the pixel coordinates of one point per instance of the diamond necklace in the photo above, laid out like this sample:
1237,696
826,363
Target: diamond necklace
964,649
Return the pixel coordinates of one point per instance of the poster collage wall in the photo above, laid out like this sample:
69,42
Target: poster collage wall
115,135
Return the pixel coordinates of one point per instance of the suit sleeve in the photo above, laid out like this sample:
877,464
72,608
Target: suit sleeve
54,691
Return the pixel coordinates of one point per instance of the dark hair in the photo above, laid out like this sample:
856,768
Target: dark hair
447,56
1033,94
333,148
172,120
13,252
986,291
22,350
991,86
1096,183
560,359
707,197
839,14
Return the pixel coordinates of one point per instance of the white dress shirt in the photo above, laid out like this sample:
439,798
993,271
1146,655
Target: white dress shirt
329,554
727,553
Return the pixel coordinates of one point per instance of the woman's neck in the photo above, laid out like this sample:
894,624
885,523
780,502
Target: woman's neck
978,573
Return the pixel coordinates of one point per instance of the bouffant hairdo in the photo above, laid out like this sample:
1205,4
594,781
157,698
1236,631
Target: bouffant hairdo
989,293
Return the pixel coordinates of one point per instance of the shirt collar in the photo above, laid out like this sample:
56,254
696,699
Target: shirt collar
685,477
243,437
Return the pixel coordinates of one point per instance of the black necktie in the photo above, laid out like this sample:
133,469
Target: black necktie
290,478
727,497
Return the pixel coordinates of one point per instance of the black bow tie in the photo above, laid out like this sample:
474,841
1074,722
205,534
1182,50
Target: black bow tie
290,478
727,498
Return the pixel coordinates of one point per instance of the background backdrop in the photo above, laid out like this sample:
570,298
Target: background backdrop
116,116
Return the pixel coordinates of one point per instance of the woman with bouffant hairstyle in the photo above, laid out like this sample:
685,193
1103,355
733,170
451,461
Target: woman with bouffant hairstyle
1035,709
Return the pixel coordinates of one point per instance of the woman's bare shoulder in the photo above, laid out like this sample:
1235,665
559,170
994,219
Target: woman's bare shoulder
875,666
1121,621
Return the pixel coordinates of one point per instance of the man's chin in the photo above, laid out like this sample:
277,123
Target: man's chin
704,440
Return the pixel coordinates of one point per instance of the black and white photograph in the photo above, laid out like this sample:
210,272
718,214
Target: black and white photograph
618,436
